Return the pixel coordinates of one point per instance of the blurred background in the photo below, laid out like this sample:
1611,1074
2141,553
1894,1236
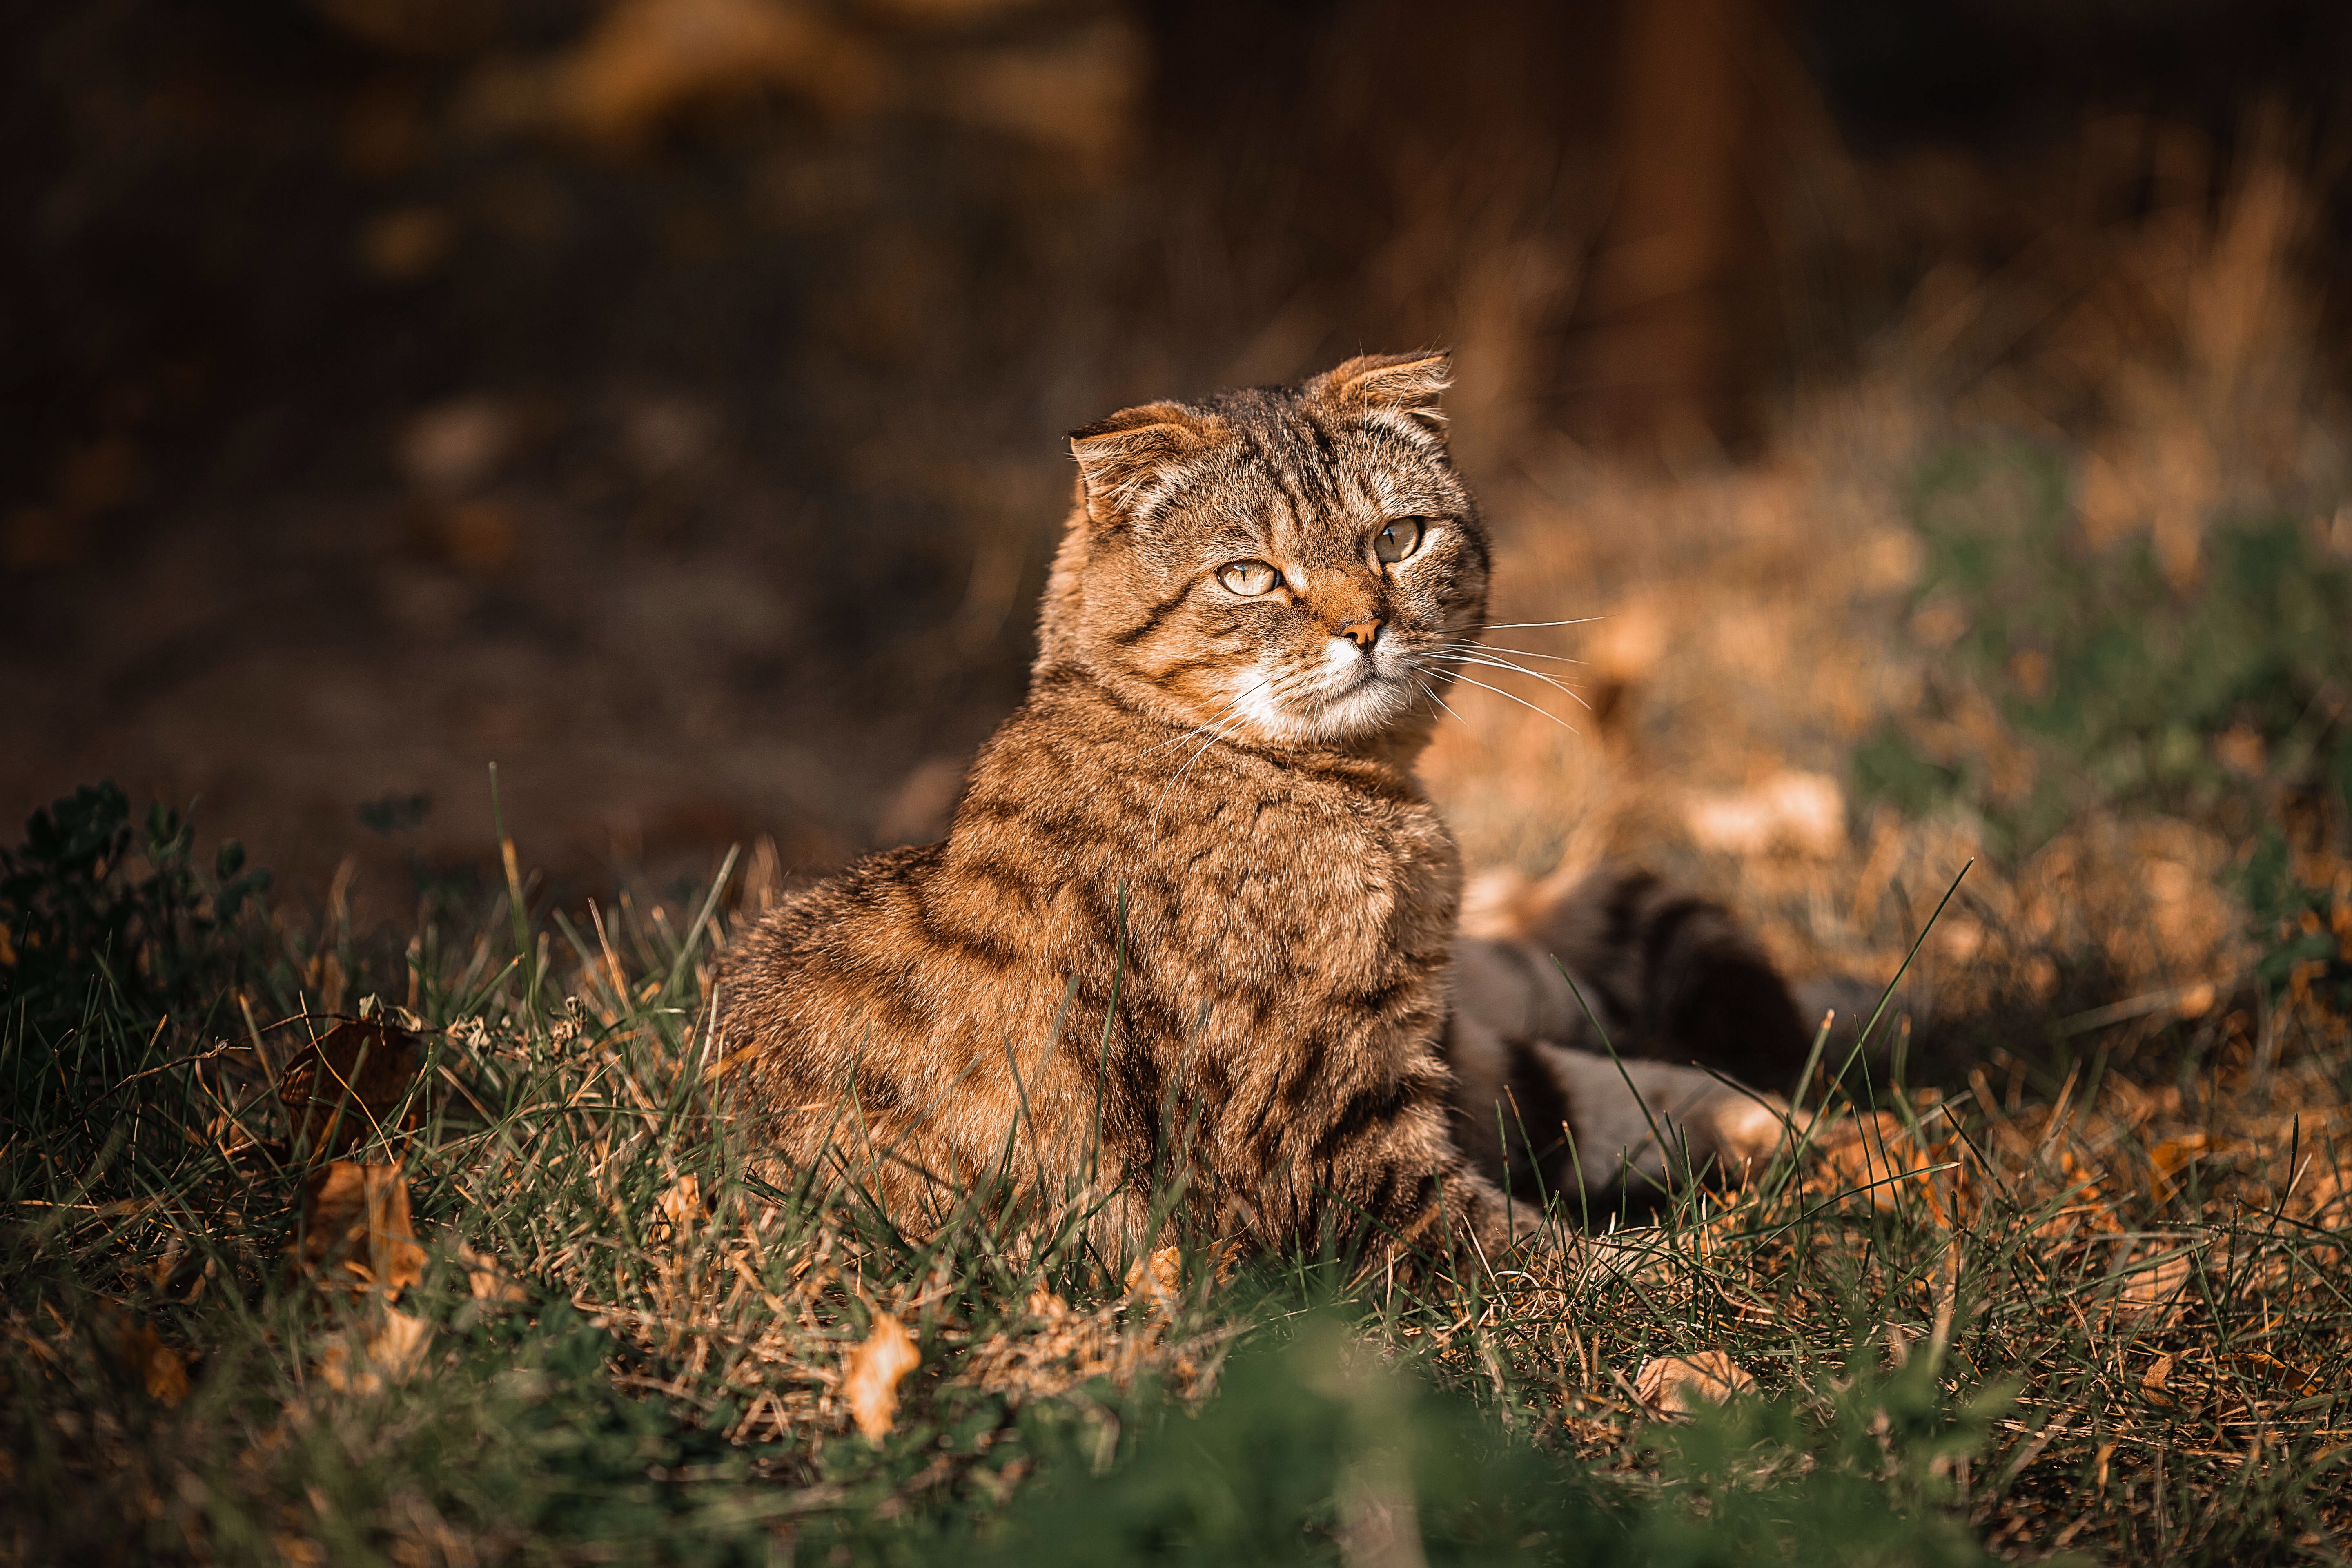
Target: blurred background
1937,405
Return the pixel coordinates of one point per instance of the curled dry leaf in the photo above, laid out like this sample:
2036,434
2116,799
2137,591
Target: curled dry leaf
1875,1155
2153,1294
869,1383
1676,1384
349,1085
681,1205
153,1364
1798,811
487,1279
355,1229
2272,1372
391,1351
1157,1278
2170,1159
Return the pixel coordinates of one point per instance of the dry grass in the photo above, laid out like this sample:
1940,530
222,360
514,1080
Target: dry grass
2108,1318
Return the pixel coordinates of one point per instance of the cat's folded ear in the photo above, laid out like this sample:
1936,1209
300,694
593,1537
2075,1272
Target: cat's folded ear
1119,458
1405,388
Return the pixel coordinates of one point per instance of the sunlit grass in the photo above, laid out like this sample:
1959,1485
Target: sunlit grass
2094,1313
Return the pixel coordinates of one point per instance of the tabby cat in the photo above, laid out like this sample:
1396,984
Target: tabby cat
1193,927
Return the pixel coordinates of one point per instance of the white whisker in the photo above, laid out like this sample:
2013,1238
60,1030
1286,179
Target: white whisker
1568,691
1522,652
1512,626
1431,692
1520,700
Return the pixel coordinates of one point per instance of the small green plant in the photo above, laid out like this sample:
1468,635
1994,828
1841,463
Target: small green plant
75,910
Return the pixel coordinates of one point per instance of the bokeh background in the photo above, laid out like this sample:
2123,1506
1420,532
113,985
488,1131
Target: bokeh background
1932,411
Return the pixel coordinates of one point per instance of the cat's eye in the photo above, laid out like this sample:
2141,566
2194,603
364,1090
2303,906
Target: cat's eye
1248,578
1400,539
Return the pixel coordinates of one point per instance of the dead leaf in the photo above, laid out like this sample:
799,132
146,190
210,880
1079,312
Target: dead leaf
681,1205
1676,1384
487,1279
1876,1155
1157,1278
2170,1158
2153,1294
2152,1383
1798,811
871,1380
392,1350
349,1086
2324,1195
156,1365
2283,1376
645,60
355,1229
299,1550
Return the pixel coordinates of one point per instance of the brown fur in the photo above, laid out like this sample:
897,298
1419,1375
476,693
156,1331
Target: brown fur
1194,920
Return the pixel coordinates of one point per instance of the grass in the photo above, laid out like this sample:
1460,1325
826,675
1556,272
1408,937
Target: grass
2108,1317
2126,690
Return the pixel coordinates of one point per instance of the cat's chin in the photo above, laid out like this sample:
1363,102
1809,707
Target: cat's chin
1372,706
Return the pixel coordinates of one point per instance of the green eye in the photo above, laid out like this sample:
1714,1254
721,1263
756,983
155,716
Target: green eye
1248,578
1400,539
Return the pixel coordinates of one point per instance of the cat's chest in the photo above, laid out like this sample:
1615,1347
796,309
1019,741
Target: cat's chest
1309,881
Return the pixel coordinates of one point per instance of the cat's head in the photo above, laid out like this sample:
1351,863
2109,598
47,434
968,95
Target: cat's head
1291,565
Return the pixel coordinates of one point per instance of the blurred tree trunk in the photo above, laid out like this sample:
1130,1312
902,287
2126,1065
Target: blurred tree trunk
1671,326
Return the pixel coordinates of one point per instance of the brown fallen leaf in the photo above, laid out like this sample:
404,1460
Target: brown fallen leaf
393,1349
299,1550
1676,1386
1875,1155
1157,1278
157,1367
869,1382
355,1229
349,1086
681,1205
2272,1372
487,1279
645,60
2155,1295
2170,1159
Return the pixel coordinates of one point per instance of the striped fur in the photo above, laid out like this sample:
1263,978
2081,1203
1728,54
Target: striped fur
1194,923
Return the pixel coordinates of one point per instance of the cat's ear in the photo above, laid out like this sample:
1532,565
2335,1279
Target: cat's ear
1120,457
1401,390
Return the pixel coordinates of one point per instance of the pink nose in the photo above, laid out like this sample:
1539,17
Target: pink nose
1361,633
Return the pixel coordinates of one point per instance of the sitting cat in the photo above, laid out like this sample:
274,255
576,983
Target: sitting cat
1194,916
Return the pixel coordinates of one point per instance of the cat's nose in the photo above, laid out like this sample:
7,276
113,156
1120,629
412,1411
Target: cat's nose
1361,633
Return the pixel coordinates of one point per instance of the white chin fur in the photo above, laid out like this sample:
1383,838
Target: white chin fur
1332,703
